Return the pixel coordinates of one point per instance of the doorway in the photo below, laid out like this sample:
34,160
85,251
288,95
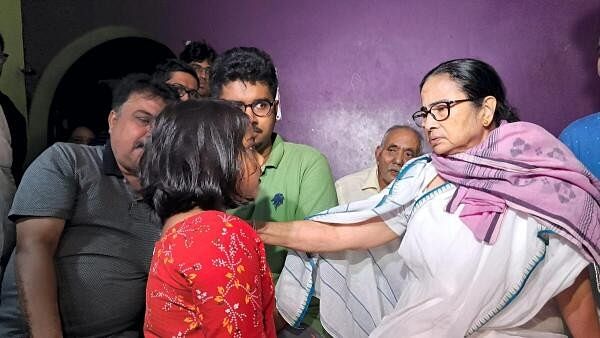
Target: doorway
83,95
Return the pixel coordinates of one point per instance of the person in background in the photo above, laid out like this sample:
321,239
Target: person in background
399,145
295,179
200,55
82,135
9,308
488,240
209,276
179,76
16,124
583,135
7,192
84,235
379,266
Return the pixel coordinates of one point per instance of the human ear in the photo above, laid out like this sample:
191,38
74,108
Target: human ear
378,151
112,118
276,110
488,109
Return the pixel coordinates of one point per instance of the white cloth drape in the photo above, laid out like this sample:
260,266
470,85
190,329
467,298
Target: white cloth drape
443,281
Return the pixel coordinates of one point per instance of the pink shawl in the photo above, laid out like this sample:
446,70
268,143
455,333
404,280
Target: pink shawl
523,166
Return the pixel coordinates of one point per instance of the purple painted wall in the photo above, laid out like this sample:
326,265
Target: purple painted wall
349,69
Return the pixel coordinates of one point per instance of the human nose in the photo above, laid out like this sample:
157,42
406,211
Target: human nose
398,158
429,122
149,128
248,111
406,156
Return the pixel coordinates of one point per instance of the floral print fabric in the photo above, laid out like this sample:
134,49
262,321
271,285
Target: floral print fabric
209,278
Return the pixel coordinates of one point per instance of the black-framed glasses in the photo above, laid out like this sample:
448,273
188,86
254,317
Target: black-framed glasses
200,69
440,111
260,108
182,91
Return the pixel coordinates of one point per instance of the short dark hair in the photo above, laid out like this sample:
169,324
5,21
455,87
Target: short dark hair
163,71
404,127
194,157
247,64
198,51
140,83
477,80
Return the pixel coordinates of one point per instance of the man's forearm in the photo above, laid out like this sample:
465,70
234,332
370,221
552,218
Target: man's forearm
38,292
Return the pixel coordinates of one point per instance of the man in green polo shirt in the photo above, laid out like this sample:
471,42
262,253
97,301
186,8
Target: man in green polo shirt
296,180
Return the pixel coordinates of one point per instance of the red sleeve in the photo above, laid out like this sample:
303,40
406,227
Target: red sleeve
268,293
210,279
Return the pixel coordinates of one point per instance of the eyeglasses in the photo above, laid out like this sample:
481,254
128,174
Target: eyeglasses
3,58
260,108
439,111
182,91
199,69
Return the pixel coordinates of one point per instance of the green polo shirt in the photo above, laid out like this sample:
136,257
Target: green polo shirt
296,182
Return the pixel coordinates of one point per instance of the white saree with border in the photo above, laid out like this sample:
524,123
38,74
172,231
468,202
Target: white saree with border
439,281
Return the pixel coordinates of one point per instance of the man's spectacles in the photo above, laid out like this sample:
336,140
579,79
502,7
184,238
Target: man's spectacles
200,70
182,91
3,58
260,108
439,111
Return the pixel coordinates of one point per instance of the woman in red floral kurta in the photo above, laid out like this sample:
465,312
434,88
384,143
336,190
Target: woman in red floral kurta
208,276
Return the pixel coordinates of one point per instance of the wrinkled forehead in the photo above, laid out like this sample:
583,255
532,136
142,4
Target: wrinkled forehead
440,87
405,137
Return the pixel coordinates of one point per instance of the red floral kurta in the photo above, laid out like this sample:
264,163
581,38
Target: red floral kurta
209,278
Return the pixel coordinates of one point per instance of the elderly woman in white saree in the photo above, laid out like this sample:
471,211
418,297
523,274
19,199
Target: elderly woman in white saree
497,226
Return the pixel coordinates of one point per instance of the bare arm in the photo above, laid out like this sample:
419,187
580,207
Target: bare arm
578,308
311,236
37,239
